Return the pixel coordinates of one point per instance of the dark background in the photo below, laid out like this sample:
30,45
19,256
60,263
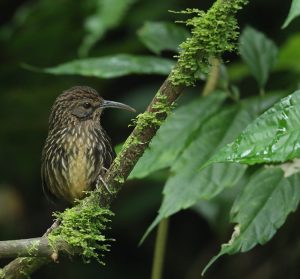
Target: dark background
46,33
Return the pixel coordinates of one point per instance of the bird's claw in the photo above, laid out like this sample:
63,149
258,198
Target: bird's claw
100,179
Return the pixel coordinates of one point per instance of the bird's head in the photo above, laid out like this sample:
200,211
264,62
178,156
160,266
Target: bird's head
81,103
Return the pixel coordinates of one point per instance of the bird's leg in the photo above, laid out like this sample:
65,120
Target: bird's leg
100,179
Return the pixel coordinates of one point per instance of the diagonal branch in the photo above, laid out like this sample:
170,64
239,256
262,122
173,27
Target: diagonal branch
206,41
134,147
138,141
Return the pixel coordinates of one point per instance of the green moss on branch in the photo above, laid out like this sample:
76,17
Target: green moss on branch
213,33
160,109
82,228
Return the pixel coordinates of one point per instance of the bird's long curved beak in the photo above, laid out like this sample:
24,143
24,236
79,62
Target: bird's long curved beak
112,104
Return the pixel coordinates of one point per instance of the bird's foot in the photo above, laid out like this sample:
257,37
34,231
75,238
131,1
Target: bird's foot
100,179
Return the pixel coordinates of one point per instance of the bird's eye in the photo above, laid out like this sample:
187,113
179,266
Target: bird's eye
87,105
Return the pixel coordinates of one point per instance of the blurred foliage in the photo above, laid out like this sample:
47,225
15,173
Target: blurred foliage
293,13
106,14
259,53
288,58
46,33
112,66
151,35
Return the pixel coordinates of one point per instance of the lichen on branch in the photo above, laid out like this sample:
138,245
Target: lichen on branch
213,33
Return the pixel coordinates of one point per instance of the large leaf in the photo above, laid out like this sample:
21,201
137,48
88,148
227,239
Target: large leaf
261,210
113,66
188,185
272,137
173,136
216,210
293,13
259,53
107,14
159,36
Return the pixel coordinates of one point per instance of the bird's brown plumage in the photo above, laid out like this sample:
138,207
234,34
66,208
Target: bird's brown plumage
77,150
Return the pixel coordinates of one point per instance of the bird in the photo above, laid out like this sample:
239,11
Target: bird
77,151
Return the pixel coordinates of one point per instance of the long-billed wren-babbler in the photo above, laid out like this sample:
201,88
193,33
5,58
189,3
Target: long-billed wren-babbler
77,151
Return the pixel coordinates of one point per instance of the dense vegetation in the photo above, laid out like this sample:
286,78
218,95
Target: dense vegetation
228,153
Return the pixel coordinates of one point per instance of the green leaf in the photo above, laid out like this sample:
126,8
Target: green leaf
159,36
293,13
288,60
237,71
216,210
260,210
272,137
189,183
289,55
107,15
259,53
112,66
175,133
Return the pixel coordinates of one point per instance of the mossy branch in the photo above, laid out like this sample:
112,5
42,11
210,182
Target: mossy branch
213,33
81,227
146,126
32,247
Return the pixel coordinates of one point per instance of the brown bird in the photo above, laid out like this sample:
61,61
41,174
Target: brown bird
77,151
